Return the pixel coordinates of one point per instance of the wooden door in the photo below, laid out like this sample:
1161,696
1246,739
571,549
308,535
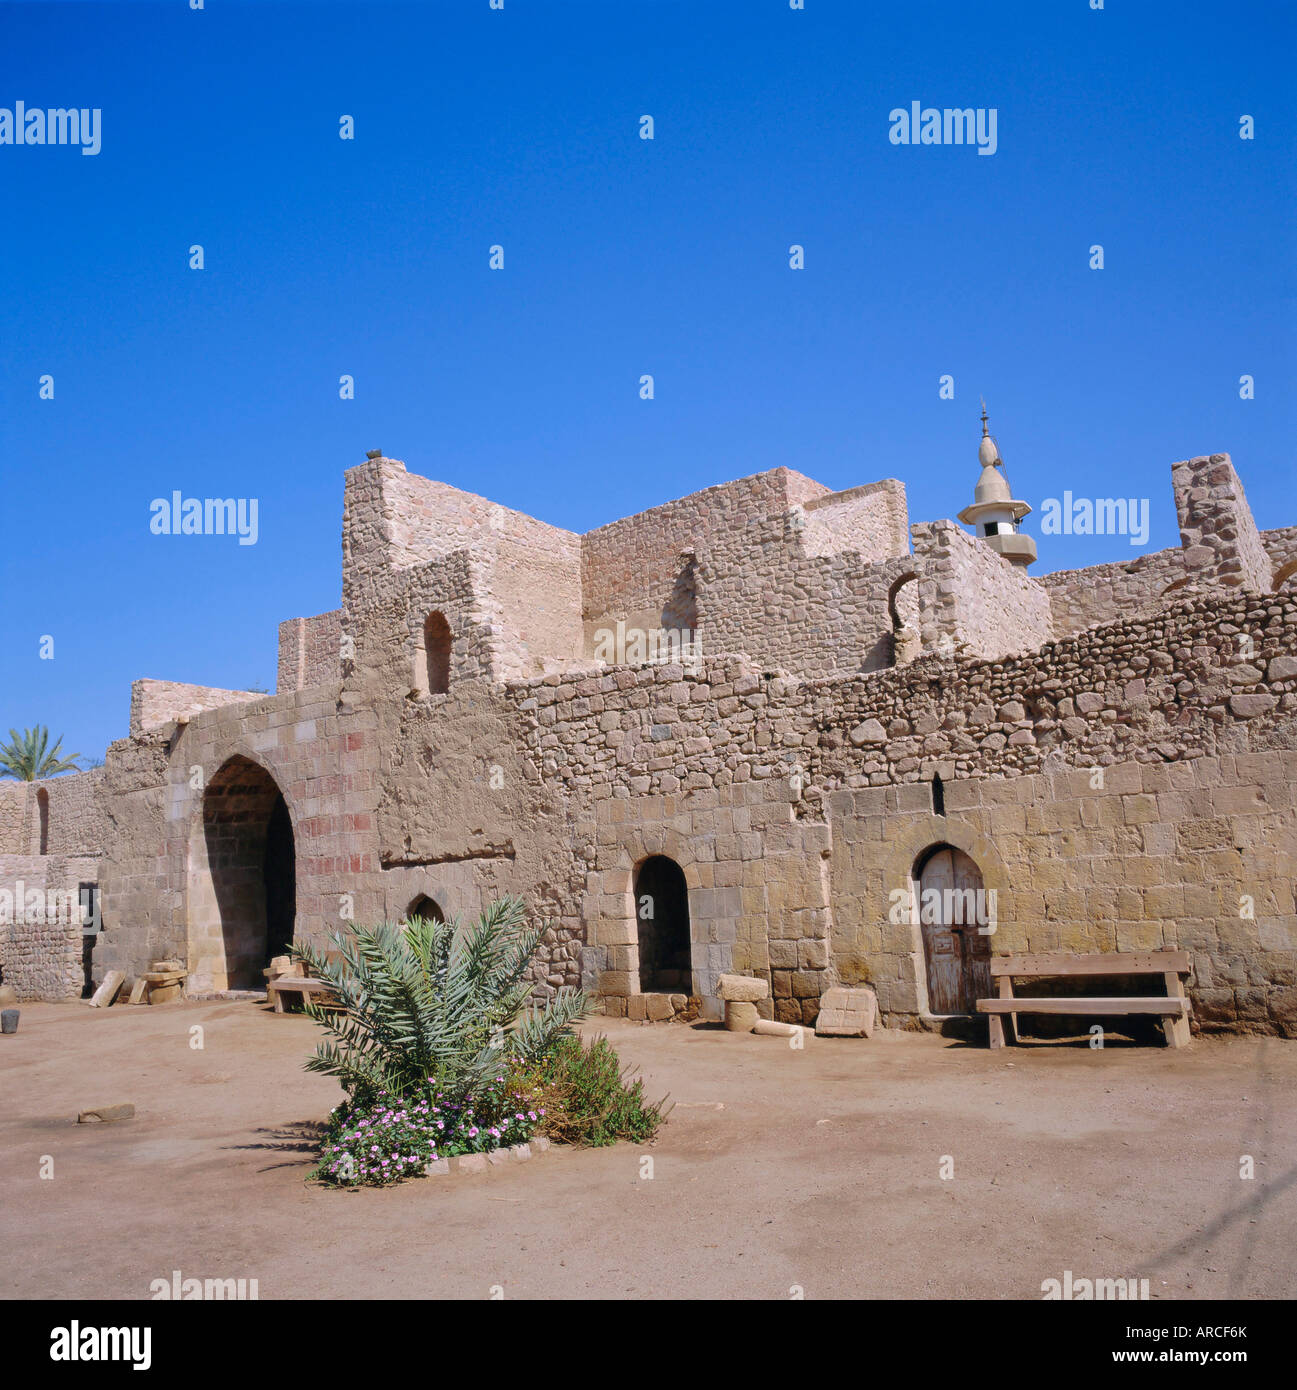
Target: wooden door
957,953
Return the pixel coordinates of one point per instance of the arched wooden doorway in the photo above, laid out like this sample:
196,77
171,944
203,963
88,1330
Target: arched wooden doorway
951,905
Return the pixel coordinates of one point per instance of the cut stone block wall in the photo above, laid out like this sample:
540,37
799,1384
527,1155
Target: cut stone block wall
155,703
309,651
1196,856
39,956
974,597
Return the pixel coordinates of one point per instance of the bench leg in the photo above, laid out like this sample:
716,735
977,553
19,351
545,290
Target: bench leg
1006,992
997,1032
279,1000
1176,1030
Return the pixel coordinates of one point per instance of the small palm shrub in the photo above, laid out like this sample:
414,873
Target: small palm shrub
589,1098
435,1010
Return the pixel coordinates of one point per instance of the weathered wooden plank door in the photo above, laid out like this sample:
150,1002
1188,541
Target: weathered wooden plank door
958,955
940,940
976,975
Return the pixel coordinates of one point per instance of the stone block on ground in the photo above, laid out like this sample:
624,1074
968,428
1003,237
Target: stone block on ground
768,1028
436,1168
847,1013
741,1016
742,989
139,991
164,994
520,1153
106,1114
468,1163
659,1007
107,991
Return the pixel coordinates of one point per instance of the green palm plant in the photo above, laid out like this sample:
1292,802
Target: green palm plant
439,1006
27,756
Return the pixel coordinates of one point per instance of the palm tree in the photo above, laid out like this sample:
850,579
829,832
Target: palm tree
434,1004
25,756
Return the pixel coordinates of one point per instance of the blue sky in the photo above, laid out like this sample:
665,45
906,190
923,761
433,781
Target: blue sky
622,257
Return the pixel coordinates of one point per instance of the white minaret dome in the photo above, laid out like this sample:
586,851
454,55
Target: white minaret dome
995,512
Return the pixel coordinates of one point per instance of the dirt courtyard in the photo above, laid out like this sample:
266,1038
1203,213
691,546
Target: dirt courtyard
779,1171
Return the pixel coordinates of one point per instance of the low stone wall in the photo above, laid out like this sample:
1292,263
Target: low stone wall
155,703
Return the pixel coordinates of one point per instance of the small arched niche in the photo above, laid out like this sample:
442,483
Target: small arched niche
432,656
427,908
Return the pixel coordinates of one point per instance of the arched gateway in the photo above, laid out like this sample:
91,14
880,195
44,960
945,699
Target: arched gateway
242,879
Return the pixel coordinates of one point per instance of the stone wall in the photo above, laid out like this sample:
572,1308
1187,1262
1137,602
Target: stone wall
973,596
1196,856
1108,593
15,834
1221,544
309,651
872,521
155,703
1281,549
631,566
1208,674
39,956
535,602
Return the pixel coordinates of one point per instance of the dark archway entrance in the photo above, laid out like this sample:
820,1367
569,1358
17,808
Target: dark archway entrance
425,907
662,918
243,892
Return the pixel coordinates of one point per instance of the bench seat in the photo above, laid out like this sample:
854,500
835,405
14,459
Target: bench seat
297,984
1083,1005
1172,1007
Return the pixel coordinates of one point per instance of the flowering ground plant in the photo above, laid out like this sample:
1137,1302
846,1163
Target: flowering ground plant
387,1139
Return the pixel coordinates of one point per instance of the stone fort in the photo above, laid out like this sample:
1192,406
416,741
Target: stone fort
772,711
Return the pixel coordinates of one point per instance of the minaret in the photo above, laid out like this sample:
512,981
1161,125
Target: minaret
995,512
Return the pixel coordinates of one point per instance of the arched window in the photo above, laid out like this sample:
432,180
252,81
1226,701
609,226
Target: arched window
43,814
432,660
662,918
425,907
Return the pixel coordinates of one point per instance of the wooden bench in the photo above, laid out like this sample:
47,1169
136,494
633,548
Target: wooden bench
303,986
1172,1007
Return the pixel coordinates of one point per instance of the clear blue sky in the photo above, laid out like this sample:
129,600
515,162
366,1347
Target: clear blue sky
622,257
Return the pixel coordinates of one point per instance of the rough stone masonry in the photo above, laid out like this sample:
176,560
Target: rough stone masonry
864,707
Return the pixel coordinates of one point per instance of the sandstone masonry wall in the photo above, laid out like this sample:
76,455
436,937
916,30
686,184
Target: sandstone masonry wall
309,651
973,596
40,958
155,703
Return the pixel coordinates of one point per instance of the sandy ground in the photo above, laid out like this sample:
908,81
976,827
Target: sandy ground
778,1170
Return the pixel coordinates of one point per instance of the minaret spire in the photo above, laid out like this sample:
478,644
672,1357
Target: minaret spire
995,512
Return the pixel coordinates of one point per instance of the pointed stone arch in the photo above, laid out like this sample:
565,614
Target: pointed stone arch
242,877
